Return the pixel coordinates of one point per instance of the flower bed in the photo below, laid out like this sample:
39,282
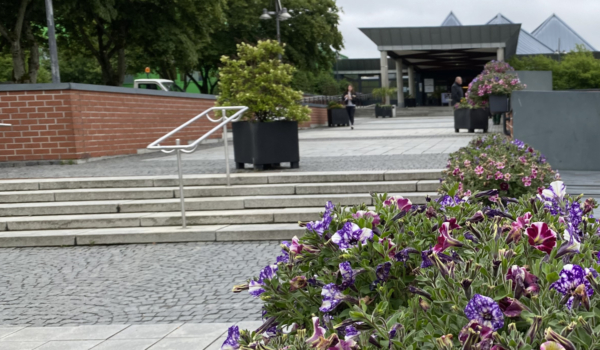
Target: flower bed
494,163
403,276
497,78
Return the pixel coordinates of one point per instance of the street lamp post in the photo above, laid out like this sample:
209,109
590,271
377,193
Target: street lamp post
281,14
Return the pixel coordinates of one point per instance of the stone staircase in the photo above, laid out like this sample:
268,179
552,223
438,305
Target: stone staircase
265,206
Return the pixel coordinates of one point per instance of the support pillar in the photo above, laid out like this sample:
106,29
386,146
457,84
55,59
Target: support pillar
385,78
500,54
400,83
412,88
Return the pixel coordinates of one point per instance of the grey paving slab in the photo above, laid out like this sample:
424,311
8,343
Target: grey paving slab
69,345
210,331
19,345
182,344
147,331
126,344
7,330
216,345
97,332
42,334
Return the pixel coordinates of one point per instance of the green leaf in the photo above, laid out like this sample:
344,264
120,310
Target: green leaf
552,277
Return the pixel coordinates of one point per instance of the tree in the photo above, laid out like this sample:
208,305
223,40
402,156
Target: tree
21,23
311,36
162,33
578,69
257,79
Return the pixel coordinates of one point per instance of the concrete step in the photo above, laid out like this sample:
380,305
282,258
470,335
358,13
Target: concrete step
138,235
193,204
217,179
106,194
210,217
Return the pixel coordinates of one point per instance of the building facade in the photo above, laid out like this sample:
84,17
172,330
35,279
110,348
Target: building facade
429,58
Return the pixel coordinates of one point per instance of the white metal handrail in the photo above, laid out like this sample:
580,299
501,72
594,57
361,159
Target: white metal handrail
2,124
178,147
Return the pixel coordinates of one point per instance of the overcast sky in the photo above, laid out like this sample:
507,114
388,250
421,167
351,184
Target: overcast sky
581,15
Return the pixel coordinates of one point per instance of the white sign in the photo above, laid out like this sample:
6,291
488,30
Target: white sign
429,86
446,97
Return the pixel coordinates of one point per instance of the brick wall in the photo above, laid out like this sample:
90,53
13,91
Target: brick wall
79,122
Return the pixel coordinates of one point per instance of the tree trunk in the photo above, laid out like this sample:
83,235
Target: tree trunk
17,60
34,55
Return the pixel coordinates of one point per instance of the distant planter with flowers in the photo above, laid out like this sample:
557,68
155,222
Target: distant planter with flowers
511,168
492,88
437,276
470,117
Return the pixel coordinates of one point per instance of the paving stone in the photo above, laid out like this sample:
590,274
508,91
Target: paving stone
97,332
210,331
69,345
147,331
7,330
42,334
19,345
182,344
126,344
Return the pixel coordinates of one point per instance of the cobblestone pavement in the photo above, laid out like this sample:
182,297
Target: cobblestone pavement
381,144
137,284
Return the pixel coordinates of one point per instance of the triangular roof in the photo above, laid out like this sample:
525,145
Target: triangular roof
528,45
554,29
451,21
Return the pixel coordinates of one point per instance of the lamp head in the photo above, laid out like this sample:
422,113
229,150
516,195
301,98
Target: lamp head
265,15
284,15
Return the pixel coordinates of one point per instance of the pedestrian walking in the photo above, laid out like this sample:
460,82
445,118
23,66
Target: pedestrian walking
457,92
349,100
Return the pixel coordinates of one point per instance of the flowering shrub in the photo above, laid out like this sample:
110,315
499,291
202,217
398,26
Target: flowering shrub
464,104
403,276
497,78
494,163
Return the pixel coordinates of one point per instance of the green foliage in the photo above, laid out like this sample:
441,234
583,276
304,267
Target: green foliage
334,105
419,303
384,92
492,162
165,35
257,79
577,69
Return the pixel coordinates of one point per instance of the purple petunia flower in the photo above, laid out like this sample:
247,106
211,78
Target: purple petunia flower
571,277
350,332
485,311
348,275
518,143
256,287
285,256
553,197
332,297
575,216
350,235
318,331
448,201
425,261
319,227
382,271
367,214
233,338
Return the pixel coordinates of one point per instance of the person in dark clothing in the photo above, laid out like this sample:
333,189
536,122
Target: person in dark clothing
457,92
349,100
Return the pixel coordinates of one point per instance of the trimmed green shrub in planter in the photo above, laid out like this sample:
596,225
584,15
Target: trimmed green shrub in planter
470,117
384,111
337,114
445,275
258,80
493,163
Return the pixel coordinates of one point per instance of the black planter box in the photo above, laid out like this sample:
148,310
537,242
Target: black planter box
266,144
499,103
470,119
337,116
410,102
384,111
